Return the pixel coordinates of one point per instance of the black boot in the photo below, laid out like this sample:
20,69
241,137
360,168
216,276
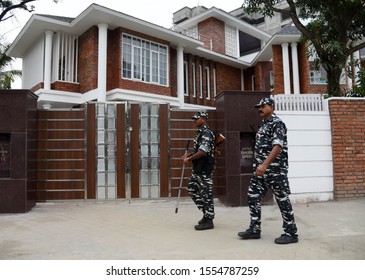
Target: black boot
202,221
208,224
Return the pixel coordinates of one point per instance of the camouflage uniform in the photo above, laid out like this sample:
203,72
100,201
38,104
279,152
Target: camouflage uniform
200,186
271,132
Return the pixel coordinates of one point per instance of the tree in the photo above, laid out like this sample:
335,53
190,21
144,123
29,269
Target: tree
8,9
335,30
6,76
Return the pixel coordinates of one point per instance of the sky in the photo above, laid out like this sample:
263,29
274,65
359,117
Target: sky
155,11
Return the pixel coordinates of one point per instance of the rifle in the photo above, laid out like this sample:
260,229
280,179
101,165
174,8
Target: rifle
218,140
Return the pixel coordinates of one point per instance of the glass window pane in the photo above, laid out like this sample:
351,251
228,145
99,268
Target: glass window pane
154,136
144,110
101,164
111,192
101,123
110,150
111,164
100,181
101,137
111,109
144,192
111,137
144,123
111,179
111,123
101,151
154,178
144,178
144,151
144,163
101,193
155,163
144,137
154,150
154,123
154,109
154,191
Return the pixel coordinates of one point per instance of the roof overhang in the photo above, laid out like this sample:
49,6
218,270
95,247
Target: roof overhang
227,18
266,53
93,15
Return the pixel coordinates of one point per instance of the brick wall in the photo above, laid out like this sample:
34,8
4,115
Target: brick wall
305,85
213,38
348,146
88,60
277,59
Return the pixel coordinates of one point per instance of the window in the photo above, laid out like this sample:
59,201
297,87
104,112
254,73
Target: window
231,41
194,79
65,57
214,82
207,72
200,81
271,79
144,61
186,78
319,77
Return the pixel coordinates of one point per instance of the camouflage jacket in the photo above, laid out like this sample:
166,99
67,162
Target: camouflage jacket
272,132
204,140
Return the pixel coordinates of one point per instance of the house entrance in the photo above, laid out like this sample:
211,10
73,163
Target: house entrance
104,151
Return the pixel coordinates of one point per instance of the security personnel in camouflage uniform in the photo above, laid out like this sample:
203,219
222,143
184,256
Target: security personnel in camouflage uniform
270,172
200,186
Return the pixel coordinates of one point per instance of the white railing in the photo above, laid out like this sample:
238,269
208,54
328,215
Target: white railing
300,102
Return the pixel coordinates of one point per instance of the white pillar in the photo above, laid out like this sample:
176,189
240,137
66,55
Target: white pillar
286,67
180,76
102,61
48,60
295,64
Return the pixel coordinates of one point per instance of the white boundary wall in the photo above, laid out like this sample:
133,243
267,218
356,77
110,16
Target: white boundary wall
310,155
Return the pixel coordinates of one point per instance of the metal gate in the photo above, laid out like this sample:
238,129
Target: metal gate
111,150
60,154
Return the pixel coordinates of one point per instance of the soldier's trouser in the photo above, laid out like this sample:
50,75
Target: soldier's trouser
200,189
279,186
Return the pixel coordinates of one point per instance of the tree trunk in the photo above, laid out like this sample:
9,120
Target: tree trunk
333,82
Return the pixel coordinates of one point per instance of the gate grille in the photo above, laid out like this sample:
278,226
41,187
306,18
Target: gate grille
61,154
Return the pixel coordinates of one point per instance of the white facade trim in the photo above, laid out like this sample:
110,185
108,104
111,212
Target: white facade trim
286,67
48,60
294,53
102,61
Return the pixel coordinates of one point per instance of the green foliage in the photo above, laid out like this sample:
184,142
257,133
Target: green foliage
334,29
6,76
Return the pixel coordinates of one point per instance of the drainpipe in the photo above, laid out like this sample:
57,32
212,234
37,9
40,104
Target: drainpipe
286,67
180,76
48,60
294,53
102,61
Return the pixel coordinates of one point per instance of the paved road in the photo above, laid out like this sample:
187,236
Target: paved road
150,230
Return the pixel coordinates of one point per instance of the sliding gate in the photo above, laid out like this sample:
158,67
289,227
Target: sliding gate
105,151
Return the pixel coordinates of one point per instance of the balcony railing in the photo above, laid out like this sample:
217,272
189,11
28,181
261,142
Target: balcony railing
300,102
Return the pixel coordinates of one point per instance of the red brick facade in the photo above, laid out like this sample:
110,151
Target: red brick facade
348,147
304,71
227,78
88,60
212,32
